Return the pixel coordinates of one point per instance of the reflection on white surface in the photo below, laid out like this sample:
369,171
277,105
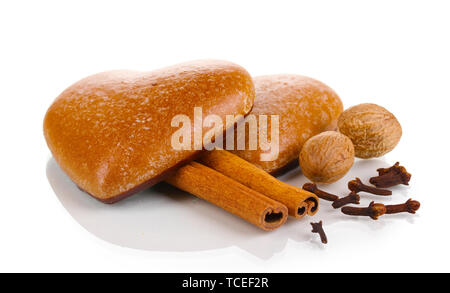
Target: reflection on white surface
164,218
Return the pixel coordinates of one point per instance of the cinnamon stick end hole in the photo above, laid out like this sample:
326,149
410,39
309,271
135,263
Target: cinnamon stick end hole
314,204
301,211
273,217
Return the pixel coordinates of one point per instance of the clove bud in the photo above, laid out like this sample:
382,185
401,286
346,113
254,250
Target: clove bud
353,197
391,176
410,206
356,185
374,210
312,187
318,228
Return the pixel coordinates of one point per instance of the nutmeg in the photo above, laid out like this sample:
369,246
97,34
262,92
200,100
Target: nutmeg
373,130
327,157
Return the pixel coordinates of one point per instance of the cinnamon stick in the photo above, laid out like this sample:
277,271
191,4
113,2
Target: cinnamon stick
298,201
230,195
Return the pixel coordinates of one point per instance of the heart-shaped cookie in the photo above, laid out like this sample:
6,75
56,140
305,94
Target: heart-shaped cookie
303,107
111,132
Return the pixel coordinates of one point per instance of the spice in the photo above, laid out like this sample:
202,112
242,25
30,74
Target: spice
374,210
230,195
410,206
312,187
353,197
395,167
298,201
373,130
392,176
318,228
356,185
327,157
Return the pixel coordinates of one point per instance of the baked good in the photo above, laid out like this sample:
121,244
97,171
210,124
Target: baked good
111,132
305,107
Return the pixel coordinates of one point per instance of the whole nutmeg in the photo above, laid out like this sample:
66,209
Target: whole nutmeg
327,157
373,130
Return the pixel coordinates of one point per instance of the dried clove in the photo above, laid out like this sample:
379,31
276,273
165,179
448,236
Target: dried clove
391,176
410,206
395,168
312,187
374,210
318,228
356,185
353,197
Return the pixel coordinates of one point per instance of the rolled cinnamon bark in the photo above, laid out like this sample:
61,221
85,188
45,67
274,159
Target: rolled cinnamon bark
298,201
230,195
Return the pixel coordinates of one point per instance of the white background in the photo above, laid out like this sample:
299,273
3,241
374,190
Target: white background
393,53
